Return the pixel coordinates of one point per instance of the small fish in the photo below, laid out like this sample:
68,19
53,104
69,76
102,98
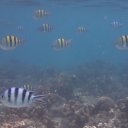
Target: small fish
19,97
82,29
46,28
19,28
27,87
122,42
61,43
10,42
41,13
116,24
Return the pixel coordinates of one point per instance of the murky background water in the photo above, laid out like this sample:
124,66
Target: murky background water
75,52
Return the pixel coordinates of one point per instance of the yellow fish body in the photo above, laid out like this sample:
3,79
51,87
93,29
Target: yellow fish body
61,43
81,29
46,28
40,13
10,42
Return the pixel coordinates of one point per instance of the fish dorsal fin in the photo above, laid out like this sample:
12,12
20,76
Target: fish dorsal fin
27,87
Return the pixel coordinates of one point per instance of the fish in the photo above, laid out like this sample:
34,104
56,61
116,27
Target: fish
41,13
116,24
61,43
46,28
10,42
122,42
19,28
82,29
27,86
19,98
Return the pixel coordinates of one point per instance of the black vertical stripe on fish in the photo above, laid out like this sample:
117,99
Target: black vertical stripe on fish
126,38
9,95
16,93
11,43
15,41
29,96
23,95
62,43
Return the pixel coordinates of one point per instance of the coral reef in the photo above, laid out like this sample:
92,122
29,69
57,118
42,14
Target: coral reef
91,96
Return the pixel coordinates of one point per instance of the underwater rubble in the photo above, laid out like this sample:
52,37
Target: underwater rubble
91,96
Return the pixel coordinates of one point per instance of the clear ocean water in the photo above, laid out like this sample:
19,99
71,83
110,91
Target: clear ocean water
65,16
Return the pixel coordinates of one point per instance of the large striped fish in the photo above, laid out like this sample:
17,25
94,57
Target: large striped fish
19,97
10,42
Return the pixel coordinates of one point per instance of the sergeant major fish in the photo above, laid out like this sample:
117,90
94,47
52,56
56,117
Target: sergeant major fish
81,29
10,42
40,13
122,42
61,43
116,24
19,28
19,97
46,28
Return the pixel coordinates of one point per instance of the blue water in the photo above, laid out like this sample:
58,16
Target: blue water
96,44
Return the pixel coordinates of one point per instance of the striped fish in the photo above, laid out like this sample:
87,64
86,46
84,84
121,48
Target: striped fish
82,29
46,28
10,42
19,28
19,97
116,24
122,42
61,43
41,13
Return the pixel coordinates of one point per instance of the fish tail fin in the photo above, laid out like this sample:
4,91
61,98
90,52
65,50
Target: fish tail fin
39,96
39,99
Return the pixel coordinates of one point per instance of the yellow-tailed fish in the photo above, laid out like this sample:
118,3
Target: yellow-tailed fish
61,43
122,42
46,28
10,42
40,13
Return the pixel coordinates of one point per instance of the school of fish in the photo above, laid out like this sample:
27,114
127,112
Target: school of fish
15,97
